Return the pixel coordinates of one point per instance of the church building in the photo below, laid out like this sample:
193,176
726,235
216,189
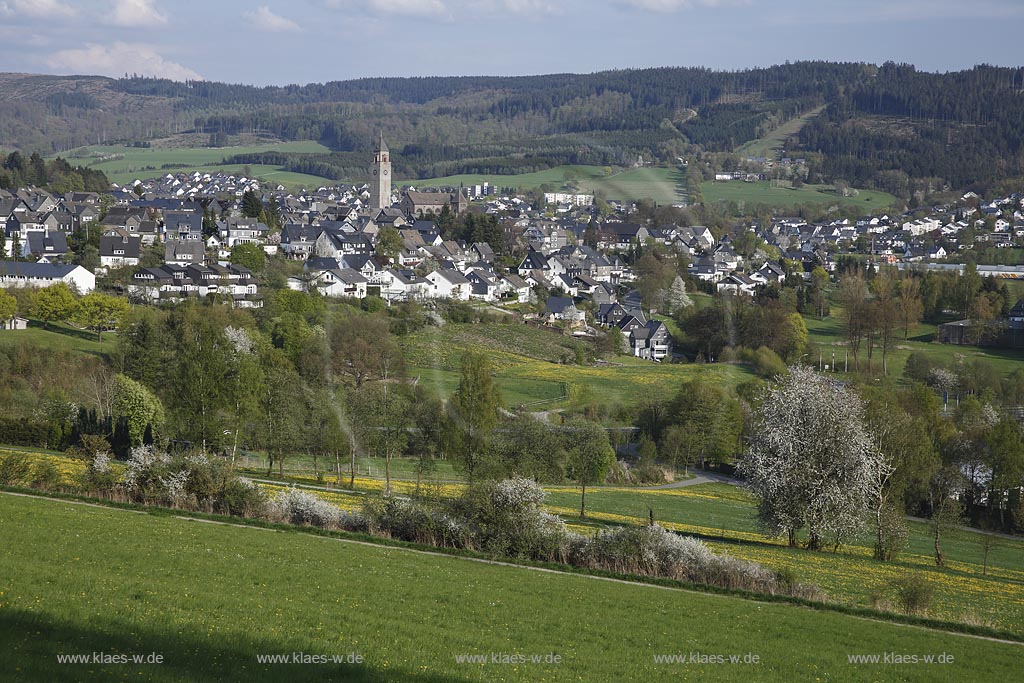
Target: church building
380,177
414,204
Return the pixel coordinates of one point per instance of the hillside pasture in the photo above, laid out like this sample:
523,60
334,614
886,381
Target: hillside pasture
662,184
210,598
749,194
137,163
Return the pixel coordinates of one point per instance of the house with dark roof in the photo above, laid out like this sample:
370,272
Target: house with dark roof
49,246
651,341
21,274
184,252
119,248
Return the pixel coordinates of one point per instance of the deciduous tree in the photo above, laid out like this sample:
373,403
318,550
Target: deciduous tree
812,463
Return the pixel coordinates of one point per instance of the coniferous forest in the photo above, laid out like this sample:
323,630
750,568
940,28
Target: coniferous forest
881,127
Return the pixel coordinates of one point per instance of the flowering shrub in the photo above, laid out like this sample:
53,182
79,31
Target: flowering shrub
296,506
415,522
654,551
505,517
99,475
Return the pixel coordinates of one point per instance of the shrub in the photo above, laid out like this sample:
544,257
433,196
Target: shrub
88,446
45,475
654,551
299,507
242,498
415,522
99,476
913,593
647,473
505,517
14,469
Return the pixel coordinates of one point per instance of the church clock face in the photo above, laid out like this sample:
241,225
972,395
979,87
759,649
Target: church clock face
385,172
374,171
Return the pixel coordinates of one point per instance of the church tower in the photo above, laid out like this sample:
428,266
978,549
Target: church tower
380,177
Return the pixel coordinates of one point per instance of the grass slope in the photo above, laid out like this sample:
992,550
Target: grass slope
774,142
205,159
63,337
851,576
828,335
209,598
527,366
762,192
664,185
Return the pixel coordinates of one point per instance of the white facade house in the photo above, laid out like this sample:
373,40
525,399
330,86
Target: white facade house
449,284
17,274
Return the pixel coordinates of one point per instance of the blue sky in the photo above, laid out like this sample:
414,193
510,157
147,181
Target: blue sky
302,41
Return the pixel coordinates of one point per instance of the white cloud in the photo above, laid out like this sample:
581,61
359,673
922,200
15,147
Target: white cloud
530,7
264,20
39,9
676,5
136,13
116,60
413,7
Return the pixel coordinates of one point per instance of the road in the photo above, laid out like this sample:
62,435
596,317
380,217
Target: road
700,477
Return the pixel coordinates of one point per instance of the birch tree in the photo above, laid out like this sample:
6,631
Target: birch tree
811,463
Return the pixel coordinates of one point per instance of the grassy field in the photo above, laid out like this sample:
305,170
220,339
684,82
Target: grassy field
773,143
133,160
829,336
664,185
63,337
209,598
526,364
762,192
851,576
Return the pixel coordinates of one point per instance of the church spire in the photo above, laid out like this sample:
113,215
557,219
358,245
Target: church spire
383,147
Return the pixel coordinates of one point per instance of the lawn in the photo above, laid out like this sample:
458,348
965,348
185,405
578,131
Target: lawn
774,142
828,335
851,576
664,185
533,365
209,598
763,192
140,163
63,337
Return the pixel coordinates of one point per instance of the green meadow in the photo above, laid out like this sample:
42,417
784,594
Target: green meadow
131,163
664,185
211,600
784,196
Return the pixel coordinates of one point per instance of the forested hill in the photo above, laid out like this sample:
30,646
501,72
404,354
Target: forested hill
964,128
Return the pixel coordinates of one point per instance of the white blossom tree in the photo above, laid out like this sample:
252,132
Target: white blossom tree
812,463
677,298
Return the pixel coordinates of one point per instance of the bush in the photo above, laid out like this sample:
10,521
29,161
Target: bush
89,445
647,473
45,476
99,476
415,522
242,498
299,507
913,593
654,551
505,517
14,469
767,363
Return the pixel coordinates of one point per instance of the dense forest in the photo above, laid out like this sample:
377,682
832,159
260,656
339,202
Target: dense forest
882,126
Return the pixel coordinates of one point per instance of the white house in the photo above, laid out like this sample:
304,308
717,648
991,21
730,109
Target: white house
17,274
449,284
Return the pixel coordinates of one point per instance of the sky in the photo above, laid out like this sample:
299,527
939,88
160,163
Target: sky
303,41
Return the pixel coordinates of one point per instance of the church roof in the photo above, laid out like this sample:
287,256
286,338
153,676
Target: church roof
383,147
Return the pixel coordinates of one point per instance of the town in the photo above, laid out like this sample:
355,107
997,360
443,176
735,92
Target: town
633,375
